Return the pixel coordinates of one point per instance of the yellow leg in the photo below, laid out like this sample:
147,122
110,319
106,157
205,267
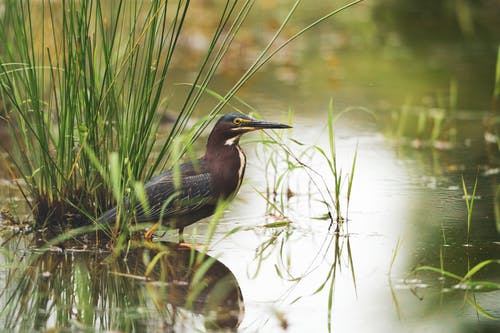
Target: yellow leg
149,234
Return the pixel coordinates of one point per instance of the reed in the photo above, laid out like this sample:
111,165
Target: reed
90,81
469,202
82,95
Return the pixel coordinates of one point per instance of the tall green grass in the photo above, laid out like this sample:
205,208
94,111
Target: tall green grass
469,202
332,186
492,132
82,82
88,84
88,78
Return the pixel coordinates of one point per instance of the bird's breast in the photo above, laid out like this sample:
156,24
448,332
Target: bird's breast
227,171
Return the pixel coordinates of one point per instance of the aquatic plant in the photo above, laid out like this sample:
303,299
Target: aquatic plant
491,134
468,284
88,83
469,202
330,188
436,126
335,170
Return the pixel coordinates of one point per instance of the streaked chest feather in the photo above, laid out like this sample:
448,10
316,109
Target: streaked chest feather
241,169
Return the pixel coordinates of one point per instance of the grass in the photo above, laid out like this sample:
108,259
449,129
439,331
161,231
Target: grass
94,88
468,283
81,95
495,103
330,188
469,202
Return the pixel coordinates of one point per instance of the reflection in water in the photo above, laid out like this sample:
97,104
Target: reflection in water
304,278
149,287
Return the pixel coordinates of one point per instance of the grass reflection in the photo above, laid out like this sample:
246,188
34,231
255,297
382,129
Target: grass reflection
148,287
320,272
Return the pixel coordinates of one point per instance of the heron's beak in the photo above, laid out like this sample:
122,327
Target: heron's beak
261,124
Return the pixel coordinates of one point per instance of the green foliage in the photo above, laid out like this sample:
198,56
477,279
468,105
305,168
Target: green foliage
89,83
469,201
95,85
435,126
468,283
282,164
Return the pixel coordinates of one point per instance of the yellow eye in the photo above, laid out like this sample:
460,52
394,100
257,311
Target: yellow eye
237,121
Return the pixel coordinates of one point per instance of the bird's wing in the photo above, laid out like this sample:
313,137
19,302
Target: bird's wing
165,200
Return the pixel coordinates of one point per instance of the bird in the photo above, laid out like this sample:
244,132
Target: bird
183,196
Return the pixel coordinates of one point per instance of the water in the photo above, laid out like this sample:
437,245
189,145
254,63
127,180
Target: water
404,206
406,211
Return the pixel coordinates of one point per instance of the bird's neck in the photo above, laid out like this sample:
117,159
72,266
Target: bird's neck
226,163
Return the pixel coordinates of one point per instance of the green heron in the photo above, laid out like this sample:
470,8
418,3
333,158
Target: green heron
202,183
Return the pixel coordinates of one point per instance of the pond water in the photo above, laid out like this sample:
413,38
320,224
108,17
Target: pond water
265,272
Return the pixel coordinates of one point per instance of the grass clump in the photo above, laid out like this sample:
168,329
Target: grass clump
331,187
469,202
87,82
90,80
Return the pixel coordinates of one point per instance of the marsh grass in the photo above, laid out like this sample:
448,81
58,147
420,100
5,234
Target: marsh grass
83,106
394,297
495,104
496,92
282,164
93,88
469,202
468,284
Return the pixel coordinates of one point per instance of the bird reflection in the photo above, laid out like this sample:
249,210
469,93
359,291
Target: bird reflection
180,277
145,287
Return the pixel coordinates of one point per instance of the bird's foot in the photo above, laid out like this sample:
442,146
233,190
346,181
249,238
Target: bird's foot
183,244
149,234
188,246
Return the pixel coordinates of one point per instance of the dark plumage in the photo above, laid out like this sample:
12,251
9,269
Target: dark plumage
217,175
